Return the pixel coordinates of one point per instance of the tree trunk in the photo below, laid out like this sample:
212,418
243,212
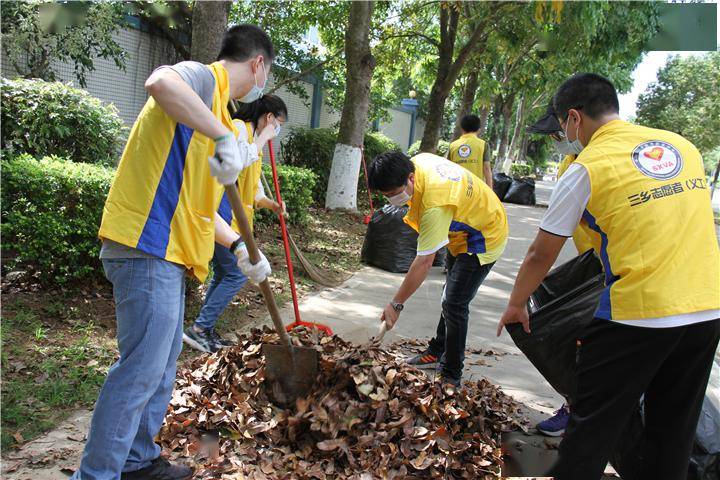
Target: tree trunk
505,134
449,70
359,64
519,123
494,133
484,116
209,21
468,99
522,154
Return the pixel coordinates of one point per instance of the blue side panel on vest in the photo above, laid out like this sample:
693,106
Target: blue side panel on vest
604,309
475,239
156,232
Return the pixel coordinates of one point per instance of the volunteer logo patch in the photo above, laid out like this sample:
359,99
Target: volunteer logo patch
464,151
449,171
658,160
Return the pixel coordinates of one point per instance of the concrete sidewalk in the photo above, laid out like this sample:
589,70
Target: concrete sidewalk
353,311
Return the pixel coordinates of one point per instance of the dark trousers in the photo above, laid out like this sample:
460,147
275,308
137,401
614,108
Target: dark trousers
464,277
619,363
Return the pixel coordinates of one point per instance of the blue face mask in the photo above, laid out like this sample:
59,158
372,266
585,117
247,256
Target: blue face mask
574,147
256,92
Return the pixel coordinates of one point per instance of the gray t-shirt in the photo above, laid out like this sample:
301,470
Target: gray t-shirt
202,81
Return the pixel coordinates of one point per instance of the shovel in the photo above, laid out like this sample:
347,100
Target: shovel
290,370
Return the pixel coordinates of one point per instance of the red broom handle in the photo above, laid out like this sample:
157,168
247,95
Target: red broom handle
283,227
367,182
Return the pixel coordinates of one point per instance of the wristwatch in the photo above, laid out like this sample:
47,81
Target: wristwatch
397,306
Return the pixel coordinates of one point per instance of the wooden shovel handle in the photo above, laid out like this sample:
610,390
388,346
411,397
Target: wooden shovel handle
254,254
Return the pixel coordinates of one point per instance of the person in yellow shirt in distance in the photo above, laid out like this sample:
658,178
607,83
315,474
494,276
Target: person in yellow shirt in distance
470,151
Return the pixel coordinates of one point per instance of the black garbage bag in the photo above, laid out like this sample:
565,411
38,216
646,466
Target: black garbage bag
521,191
389,243
705,457
501,184
560,309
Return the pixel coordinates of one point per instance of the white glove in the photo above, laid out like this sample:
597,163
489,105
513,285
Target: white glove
227,162
255,273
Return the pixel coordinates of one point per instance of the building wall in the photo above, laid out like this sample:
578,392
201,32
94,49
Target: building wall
147,51
398,128
124,89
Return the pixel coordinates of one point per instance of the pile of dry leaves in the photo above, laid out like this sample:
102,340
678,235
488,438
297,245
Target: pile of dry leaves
370,416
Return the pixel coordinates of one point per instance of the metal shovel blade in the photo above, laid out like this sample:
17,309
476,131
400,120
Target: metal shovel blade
289,376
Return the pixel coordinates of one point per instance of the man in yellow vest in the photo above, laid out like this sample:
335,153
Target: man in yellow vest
658,322
159,224
448,206
470,152
584,239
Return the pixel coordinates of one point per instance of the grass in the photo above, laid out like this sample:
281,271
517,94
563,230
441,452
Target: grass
57,346
49,369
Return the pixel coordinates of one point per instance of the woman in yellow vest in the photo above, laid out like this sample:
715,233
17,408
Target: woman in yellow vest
470,152
657,326
265,116
158,225
448,206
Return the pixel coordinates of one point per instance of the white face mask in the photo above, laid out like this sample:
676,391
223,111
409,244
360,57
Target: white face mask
400,199
256,91
575,146
278,129
562,147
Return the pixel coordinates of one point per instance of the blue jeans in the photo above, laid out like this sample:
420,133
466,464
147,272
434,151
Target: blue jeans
226,282
464,277
149,305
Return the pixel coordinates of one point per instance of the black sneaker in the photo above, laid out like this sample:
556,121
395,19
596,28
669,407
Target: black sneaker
219,341
455,382
202,341
425,360
160,469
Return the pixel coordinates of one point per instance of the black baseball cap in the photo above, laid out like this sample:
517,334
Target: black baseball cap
546,124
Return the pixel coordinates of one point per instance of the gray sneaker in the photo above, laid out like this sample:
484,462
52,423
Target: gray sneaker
202,341
219,341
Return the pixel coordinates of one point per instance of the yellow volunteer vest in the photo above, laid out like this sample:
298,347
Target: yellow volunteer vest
467,151
247,185
584,237
163,199
479,221
650,204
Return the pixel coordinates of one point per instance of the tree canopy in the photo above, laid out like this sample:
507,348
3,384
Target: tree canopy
686,99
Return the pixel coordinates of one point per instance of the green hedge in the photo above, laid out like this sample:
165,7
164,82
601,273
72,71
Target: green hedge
296,187
314,149
443,147
51,118
520,170
51,211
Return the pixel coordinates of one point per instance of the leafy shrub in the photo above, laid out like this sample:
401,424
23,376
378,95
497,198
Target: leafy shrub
314,149
51,118
296,187
443,147
520,170
377,143
51,211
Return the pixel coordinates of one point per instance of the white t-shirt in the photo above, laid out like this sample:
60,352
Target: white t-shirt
567,204
251,151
